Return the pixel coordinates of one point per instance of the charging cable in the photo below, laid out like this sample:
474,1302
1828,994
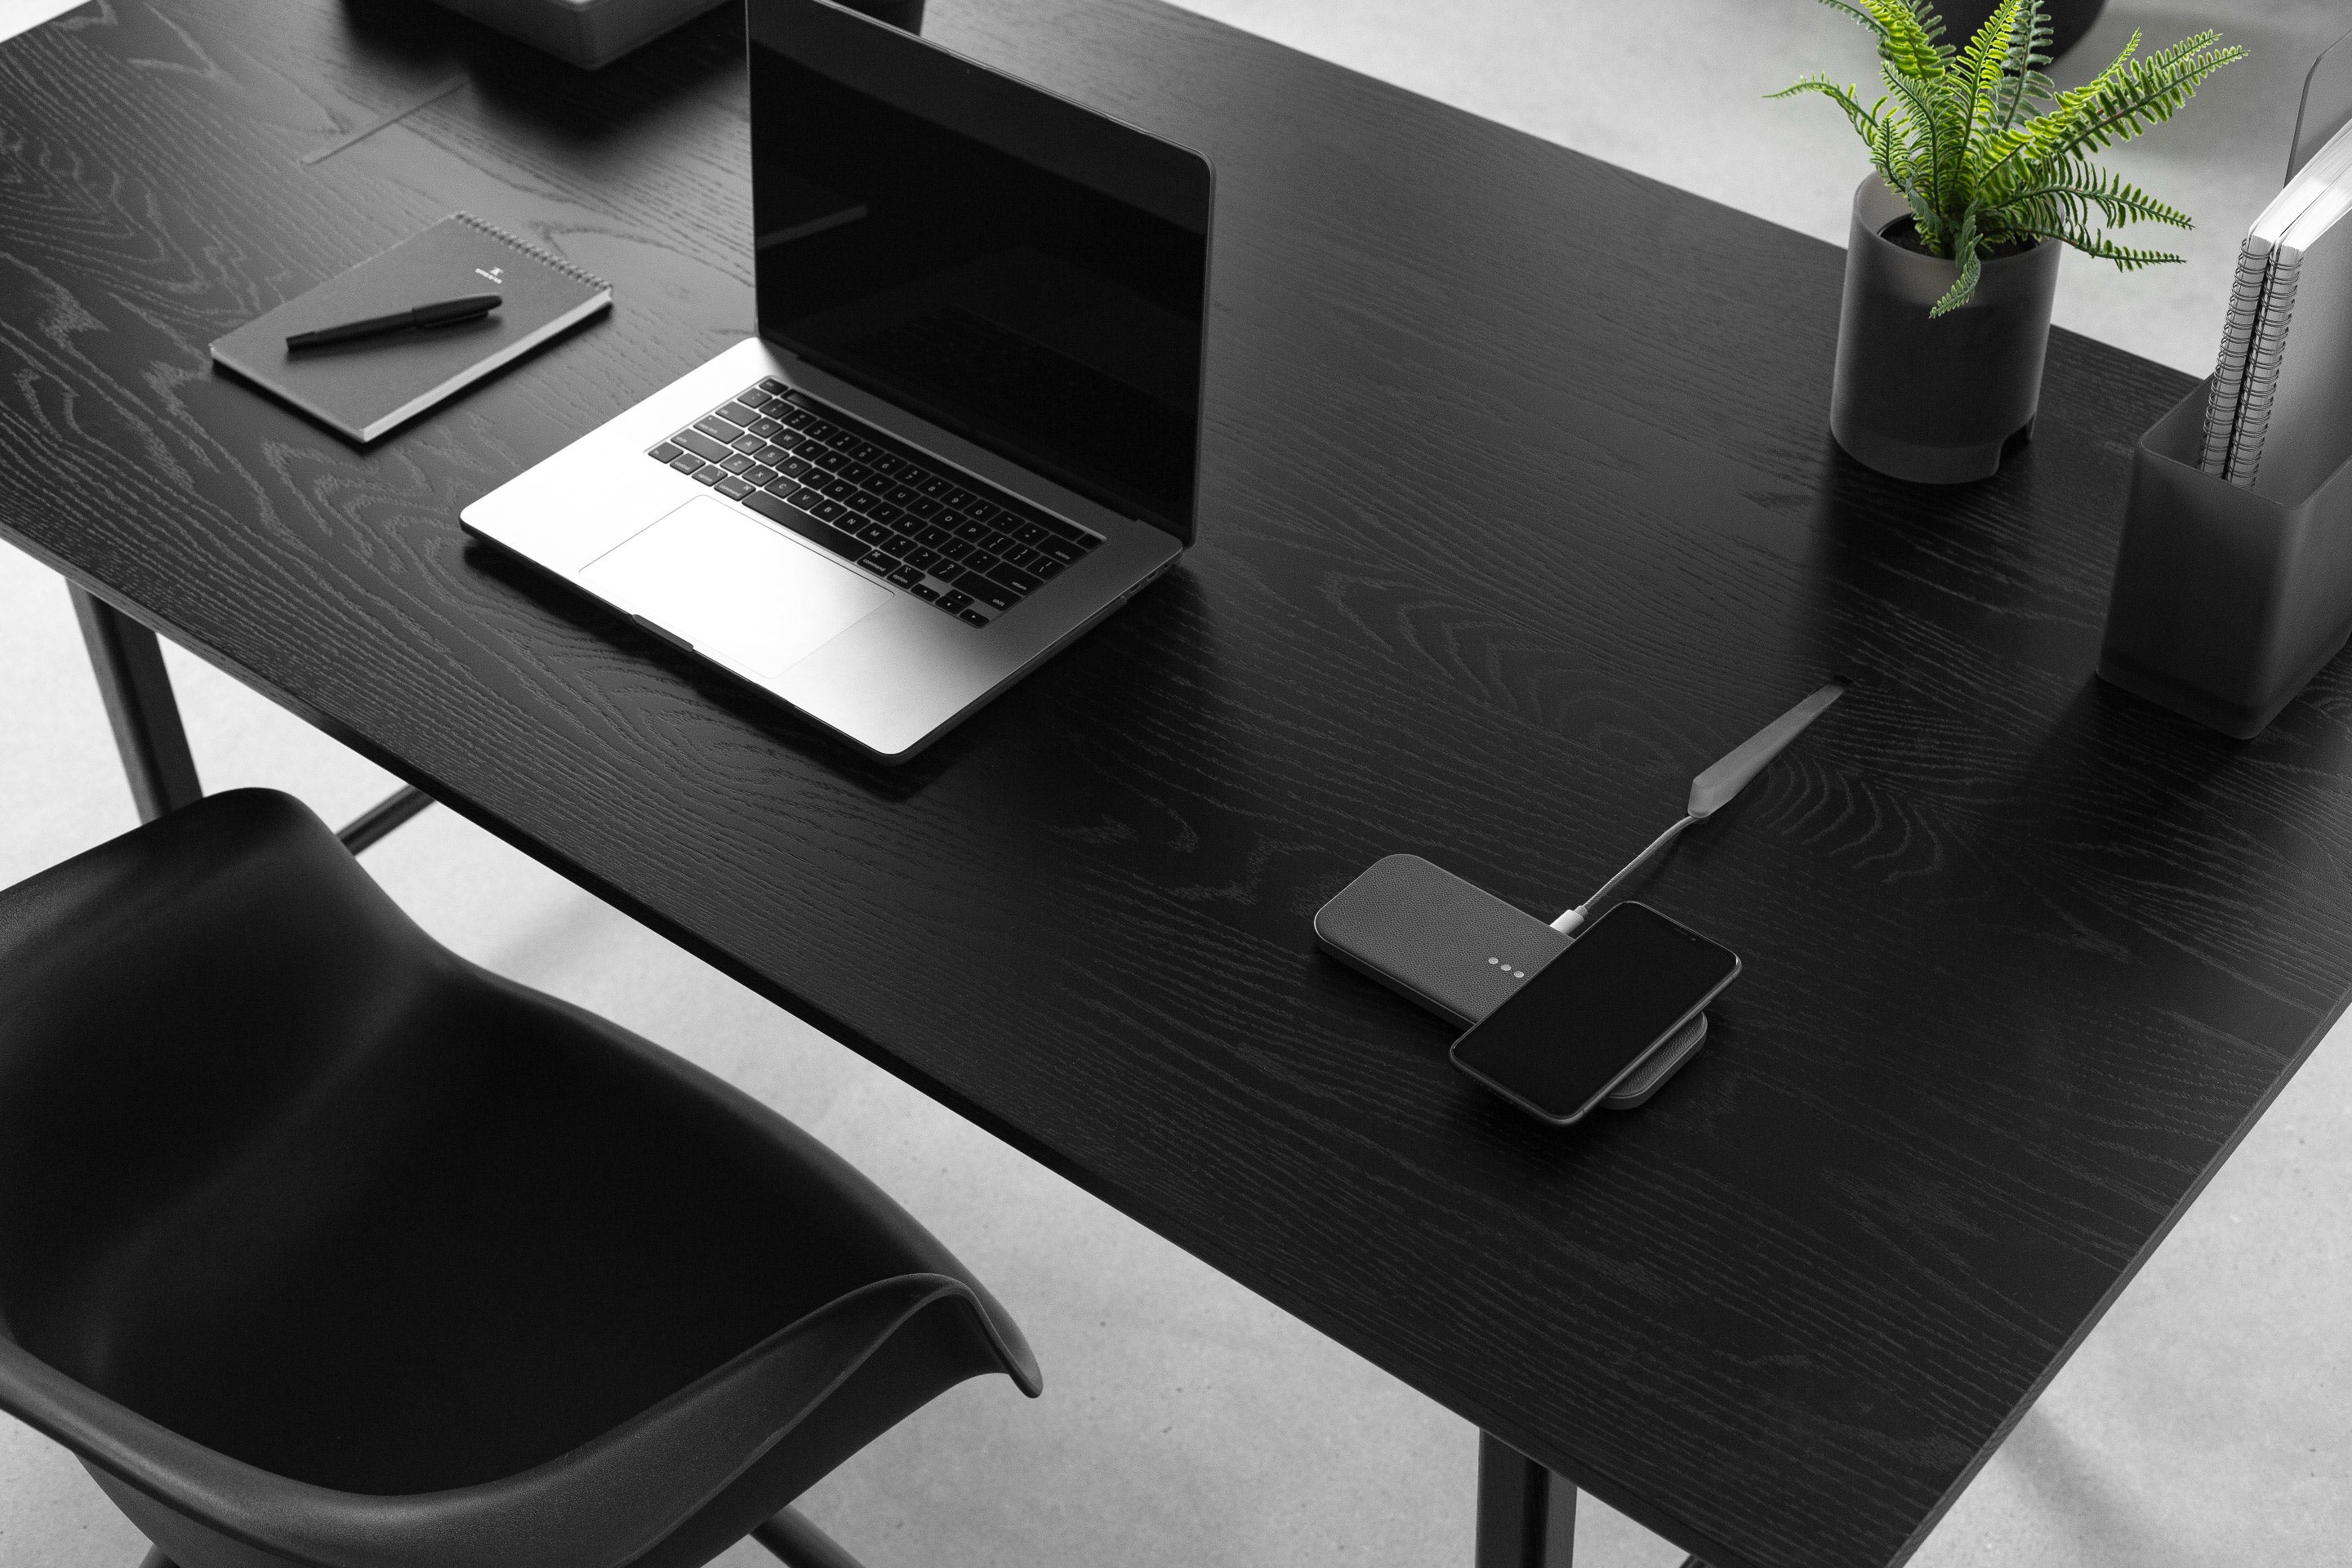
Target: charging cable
1713,790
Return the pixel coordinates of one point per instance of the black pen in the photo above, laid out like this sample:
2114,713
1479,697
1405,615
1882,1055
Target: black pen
440,314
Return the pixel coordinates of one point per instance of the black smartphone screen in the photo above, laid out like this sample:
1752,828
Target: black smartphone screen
1560,1040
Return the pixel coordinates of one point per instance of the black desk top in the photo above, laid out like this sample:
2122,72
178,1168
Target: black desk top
1518,508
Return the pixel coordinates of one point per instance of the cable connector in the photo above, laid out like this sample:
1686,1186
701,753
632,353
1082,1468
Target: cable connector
1713,789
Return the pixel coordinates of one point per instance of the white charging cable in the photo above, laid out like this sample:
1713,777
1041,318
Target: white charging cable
1713,789
1570,920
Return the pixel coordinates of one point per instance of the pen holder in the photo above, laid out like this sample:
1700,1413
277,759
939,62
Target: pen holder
2225,602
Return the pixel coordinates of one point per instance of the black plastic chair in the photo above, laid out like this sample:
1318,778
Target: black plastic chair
320,1246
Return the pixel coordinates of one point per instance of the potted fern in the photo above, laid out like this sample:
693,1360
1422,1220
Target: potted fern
1982,170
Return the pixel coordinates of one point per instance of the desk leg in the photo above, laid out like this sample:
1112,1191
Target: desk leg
800,1544
137,692
382,818
1527,1515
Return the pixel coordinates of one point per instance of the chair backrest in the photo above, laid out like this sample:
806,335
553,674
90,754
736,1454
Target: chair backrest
287,1188
167,1000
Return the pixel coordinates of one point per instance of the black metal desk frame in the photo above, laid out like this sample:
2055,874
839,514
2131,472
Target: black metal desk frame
128,662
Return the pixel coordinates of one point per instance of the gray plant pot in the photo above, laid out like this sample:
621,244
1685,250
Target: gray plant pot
2226,602
1935,400
2069,20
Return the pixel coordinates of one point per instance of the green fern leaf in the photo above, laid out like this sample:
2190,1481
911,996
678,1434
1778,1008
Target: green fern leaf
2100,248
1926,25
1864,120
2126,99
1907,33
2029,51
1989,153
2079,189
1965,250
1910,37
1983,64
1930,142
1876,134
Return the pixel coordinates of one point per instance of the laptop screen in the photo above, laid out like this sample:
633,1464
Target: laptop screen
996,259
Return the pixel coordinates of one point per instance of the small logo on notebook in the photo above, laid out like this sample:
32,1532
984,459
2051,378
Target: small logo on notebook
495,274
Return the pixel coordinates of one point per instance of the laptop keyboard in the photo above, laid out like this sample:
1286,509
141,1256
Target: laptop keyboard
969,550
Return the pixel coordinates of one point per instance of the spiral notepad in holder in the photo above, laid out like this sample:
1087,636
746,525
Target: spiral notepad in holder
2233,586
2276,419
368,387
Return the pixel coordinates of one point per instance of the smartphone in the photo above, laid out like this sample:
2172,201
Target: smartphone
1560,1043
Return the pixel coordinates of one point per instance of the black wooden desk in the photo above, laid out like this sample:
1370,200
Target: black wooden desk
1518,508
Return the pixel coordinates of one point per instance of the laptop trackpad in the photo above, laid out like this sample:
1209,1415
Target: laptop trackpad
740,593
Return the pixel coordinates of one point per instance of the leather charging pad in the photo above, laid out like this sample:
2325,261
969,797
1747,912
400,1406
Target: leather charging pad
1459,951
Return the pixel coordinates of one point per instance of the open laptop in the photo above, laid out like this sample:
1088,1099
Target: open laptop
969,427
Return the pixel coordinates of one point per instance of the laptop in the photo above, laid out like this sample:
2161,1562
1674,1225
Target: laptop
969,426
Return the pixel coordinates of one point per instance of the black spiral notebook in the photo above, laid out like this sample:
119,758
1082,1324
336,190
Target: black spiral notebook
366,388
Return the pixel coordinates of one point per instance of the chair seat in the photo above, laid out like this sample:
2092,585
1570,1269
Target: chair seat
290,1193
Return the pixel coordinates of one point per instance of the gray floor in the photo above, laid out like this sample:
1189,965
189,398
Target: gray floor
1187,1423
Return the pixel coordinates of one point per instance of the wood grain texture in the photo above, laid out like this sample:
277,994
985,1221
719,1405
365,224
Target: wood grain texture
1519,509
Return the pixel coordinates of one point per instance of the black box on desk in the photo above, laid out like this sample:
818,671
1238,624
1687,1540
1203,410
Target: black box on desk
589,32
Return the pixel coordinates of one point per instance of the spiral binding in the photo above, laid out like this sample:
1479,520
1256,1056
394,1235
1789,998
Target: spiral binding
2228,396
2262,362
537,253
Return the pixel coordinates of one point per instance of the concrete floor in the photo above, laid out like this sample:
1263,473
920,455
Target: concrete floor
1674,88
1187,1423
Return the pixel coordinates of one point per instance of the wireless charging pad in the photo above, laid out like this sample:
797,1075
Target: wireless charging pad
1459,951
